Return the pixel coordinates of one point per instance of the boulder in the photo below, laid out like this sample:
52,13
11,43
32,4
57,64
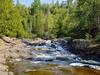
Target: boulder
86,49
81,43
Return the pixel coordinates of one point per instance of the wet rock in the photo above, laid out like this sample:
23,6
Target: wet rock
81,43
67,44
62,58
89,53
86,49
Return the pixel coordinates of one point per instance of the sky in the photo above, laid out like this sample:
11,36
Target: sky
28,2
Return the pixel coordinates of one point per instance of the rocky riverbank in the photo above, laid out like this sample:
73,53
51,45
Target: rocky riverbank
16,50
86,49
11,48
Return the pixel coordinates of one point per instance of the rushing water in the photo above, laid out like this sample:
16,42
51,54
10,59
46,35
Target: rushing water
55,53
48,58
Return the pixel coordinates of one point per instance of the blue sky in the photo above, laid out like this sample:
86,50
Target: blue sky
28,2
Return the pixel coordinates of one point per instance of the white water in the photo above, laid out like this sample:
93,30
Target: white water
58,55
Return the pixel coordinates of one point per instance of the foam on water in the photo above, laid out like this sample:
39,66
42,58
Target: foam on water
55,53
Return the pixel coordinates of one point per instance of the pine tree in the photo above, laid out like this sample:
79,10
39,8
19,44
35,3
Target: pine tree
38,20
11,21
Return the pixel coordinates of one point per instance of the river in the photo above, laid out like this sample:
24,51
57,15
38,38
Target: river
53,59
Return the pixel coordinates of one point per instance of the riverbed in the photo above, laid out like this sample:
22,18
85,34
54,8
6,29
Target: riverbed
52,59
46,58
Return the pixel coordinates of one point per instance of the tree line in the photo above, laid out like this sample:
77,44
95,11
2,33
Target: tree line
71,18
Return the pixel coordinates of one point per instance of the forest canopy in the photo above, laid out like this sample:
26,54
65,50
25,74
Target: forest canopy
76,19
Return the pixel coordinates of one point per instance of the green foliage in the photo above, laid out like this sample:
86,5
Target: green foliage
12,20
71,19
98,37
37,19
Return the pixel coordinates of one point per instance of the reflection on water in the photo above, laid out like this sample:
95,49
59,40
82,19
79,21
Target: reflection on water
28,68
65,71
